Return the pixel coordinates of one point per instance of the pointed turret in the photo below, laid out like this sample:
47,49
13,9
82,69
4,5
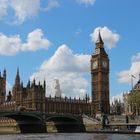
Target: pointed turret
4,74
86,97
34,82
17,79
99,40
28,84
99,45
44,84
17,71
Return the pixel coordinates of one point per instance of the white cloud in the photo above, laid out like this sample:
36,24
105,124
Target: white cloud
3,8
136,58
52,4
69,68
10,45
125,75
109,37
25,9
36,41
86,2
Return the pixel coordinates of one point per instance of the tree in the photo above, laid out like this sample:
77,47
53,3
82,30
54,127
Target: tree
134,101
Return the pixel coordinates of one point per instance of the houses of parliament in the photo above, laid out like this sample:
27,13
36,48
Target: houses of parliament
33,96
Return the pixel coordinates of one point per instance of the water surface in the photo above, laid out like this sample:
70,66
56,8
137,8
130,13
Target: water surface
70,136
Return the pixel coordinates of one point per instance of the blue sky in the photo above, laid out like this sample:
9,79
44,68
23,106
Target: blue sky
53,39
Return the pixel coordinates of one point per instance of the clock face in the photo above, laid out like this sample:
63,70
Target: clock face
95,64
104,64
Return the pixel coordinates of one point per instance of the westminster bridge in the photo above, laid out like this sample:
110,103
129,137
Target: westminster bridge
37,122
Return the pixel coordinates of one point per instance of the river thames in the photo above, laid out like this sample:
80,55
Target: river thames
69,136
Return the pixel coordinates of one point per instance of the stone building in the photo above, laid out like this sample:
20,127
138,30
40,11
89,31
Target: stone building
100,78
2,86
117,107
32,97
133,107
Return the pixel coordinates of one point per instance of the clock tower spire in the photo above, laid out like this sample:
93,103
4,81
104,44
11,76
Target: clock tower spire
99,41
100,78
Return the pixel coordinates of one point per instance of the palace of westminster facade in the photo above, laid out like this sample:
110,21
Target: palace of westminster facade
32,97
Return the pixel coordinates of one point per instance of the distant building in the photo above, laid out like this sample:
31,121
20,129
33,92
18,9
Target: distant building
117,107
56,88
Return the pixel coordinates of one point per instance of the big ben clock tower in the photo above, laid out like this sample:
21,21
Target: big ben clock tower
100,78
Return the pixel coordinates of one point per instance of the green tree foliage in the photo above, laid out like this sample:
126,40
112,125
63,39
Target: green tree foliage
134,100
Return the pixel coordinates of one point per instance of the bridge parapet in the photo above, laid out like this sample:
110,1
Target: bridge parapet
24,118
